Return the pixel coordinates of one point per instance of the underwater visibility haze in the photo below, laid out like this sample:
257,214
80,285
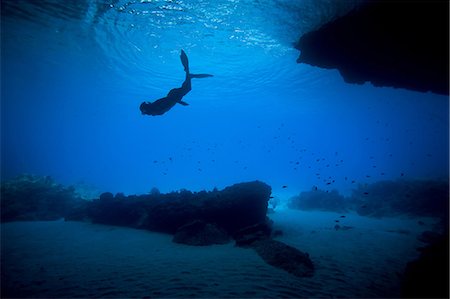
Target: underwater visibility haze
73,77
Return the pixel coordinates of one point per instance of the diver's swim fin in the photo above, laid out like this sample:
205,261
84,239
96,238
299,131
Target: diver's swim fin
184,61
183,103
200,75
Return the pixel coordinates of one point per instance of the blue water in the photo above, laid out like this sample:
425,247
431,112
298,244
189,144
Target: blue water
75,72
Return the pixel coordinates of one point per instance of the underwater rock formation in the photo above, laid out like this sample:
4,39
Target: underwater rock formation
199,233
32,197
231,209
402,197
428,276
275,253
248,235
423,198
285,257
317,199
389,43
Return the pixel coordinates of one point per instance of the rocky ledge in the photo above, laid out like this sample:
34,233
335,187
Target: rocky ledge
402,44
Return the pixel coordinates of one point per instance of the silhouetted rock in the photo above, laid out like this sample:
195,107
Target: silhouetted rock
285,257
231,209
199,233
402,197
428,276
389,43
250,234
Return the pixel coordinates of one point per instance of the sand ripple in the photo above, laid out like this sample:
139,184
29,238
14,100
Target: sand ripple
71,259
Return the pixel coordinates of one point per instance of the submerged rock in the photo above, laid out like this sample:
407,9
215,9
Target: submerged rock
384,43
428,276
231,209
199,233
250,234
33,197
285,257
259,238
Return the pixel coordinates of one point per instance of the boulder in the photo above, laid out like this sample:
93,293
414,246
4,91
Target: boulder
200,233
285,257
250,234
259,238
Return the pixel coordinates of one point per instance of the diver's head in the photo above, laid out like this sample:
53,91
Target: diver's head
144,108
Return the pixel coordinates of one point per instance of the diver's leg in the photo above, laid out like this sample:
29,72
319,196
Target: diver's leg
184,61
186,87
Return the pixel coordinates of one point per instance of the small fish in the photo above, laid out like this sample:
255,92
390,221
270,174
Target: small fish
343,216
284,187
336,220
270,196
366,193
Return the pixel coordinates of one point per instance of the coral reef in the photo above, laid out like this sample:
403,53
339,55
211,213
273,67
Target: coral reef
402,197
427,198
32,197
195,218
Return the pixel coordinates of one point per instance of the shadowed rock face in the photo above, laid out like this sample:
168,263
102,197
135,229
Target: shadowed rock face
199,233
428,276
231,209
400,44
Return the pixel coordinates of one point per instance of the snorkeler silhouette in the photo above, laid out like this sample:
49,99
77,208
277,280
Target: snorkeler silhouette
175,95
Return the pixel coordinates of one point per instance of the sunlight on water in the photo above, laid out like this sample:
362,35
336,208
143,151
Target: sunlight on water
243,37
142,39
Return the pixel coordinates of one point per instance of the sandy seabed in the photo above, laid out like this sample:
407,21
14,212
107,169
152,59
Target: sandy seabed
81,260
